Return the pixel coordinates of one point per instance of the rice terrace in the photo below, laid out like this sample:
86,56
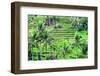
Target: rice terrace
57,37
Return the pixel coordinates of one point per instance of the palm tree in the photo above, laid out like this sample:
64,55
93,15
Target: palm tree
42,37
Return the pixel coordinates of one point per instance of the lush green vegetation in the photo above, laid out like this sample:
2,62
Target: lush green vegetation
57,37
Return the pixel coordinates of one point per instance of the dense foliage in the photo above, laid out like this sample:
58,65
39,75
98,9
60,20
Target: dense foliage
57,37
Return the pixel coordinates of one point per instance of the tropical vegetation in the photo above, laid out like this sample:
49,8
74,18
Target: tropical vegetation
57,37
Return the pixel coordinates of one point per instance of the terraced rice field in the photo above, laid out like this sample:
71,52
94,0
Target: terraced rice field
64,33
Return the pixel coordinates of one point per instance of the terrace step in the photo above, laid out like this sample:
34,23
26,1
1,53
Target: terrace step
63,33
